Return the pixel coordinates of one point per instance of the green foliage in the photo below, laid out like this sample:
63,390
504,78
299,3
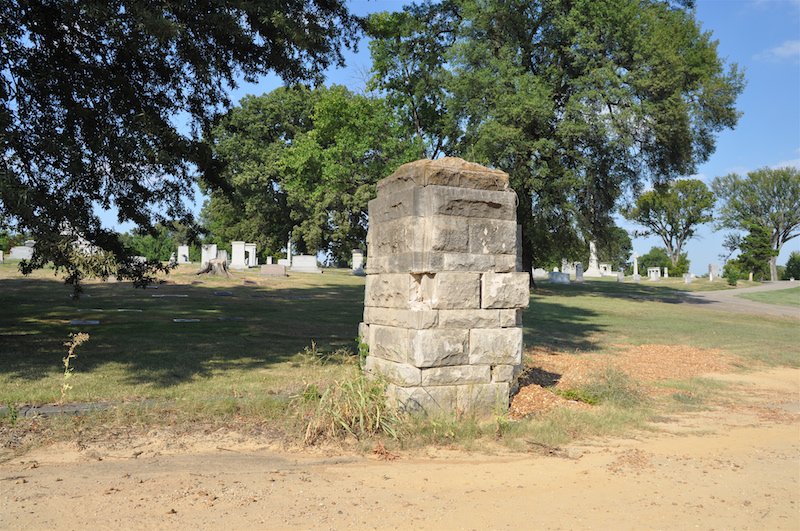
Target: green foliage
756,254
732,272
158,246
577,101
306,162
614,246
658,257
768,198
612,386
105,104
673,212
579,395
74,342
792,267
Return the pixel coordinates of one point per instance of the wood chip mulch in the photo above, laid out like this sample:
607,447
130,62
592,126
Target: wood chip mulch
644,364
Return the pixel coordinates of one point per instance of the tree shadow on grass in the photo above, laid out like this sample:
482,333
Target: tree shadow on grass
558,327
623,290
247,327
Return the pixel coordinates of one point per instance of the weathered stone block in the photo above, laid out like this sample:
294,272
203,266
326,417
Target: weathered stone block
391,206
483,399
363,332
510,318
435,400
495,346
397,373
397,236
388,290
456,375
505,290
416,319
447,171
504,373
470,318
492,236
438,348
464,202
450,290
447,233
390,343
505,263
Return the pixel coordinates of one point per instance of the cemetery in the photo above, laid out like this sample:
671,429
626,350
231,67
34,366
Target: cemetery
524,265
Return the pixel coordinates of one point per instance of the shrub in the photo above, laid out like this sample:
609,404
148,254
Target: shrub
792,267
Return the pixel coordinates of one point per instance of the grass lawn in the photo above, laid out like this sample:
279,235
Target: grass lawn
785,297
261,343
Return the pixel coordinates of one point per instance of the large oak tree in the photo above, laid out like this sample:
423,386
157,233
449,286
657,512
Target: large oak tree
579,101
105,104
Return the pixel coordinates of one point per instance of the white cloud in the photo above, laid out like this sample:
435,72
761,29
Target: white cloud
794,163
787,50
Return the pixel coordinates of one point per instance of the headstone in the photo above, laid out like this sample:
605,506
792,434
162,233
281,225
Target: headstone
21,252
285,262
183,254
443,298
579,272
358,262
666,272
567,267
557,277
237,256
712,272
273,270
653,273
593,271
304,263
269,260
81,322
620,276
173,259
250,255
539,273
605,270
139,259
687,278
750,276
636,276
207,252
2,258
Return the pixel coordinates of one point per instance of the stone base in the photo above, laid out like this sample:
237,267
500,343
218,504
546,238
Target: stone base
593,273
273,270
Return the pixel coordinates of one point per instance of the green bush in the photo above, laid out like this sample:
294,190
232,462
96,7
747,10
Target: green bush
792,267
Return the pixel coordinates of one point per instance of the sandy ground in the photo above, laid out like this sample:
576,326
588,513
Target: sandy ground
734,467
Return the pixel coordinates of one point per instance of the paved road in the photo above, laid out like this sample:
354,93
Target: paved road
729,300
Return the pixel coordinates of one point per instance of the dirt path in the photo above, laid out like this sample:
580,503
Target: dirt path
736,467
729,300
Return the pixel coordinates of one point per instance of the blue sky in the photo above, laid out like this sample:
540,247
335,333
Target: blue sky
761,36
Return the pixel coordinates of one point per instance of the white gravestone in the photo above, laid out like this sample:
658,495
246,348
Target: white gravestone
605,270
712,272
653,273
593,271
305,263
558,278
539,273
579,272
620,276
2,259
666,272
358,262
207,252
251,258
269,260
687,278
237,256
22,252
636,276
183,254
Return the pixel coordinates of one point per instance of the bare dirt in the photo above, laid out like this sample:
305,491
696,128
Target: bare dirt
736,466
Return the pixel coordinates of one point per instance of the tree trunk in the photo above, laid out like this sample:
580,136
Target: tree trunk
773,268
215,267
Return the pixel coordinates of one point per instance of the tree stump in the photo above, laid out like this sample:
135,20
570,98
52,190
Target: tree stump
216,267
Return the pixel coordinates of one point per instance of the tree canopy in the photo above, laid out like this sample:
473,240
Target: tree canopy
578,101
105,104
767,198
304,161
673,212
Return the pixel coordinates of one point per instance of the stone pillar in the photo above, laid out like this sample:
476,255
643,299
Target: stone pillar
251,256
593,270
579,272
358,262
666,272
712,272
183,254
636,276
237,256
443,299
207,252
